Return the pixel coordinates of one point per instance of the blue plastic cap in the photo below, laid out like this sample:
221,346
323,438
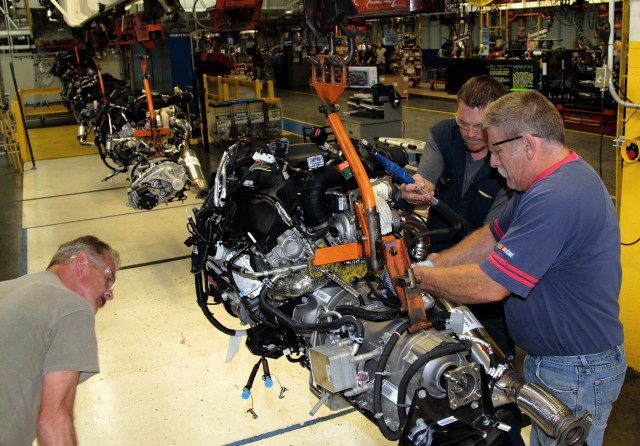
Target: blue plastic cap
246,393
268,383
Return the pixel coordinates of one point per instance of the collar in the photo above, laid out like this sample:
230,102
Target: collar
572,156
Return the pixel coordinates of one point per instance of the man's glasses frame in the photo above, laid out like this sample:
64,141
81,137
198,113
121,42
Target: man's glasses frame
466,126
504,141
108,272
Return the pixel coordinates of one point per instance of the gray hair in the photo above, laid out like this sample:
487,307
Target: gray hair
525,112
92,246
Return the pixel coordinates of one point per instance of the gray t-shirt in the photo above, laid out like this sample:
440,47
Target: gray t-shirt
431,168
44,327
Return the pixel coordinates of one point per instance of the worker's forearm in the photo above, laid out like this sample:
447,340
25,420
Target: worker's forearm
464,284
57,430
474,248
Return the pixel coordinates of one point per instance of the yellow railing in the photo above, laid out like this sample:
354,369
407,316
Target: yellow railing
11,146
40,111
218,89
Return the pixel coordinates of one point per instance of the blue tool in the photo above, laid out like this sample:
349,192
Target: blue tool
399,174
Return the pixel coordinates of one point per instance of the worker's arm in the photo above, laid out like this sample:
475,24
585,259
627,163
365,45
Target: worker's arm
474,248
464,284
55,420
457,275
414,193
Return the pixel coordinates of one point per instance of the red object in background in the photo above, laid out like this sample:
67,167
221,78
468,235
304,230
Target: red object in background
235,15
217,64
394,8
134,28
381,6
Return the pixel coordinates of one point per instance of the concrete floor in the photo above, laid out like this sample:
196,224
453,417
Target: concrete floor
164,378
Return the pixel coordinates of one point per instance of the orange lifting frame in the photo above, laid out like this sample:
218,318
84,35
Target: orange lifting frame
329,93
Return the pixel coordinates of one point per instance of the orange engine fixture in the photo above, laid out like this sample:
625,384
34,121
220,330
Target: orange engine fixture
134,28
235,15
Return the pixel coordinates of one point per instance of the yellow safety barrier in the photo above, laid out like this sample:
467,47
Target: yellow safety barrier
220,90
40,111
11,146
244,113
21,132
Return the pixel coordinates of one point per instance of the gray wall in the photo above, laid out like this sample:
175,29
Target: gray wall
28,75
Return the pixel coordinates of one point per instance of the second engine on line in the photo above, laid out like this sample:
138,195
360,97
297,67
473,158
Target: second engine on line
276,244
152,149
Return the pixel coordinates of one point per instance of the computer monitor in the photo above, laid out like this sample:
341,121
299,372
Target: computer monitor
362,77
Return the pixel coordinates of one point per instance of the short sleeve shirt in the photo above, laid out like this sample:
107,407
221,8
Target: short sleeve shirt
558,252
44,327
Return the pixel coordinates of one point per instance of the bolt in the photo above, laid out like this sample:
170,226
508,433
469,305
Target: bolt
422,393
486,421
474,405
454,404
420,422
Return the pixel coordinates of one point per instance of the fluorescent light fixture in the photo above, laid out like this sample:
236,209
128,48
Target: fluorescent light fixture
288,11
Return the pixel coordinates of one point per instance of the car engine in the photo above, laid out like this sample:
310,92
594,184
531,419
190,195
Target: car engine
281,244
143,134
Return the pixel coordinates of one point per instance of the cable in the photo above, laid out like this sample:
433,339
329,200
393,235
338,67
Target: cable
601,133
632,243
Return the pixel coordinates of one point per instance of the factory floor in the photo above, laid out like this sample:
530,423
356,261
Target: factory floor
165,377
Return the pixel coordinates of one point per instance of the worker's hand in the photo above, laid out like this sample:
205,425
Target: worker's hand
415,194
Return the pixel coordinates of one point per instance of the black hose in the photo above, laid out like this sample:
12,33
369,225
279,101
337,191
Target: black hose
201,298
377,382
103,157
179,98
300,327
314,199
386,301
367,315
421,235
230,263
443,349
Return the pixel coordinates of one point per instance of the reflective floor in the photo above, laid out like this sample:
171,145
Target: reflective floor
165,379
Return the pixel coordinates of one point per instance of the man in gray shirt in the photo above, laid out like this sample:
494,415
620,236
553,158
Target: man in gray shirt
48,343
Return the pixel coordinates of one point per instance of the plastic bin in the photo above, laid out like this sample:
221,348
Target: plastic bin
255,109
273,117
240,118
220,121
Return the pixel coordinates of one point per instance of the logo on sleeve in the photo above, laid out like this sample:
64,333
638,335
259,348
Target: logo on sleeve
505,250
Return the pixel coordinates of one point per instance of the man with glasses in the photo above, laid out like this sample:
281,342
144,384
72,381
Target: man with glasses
553,257
456,159
455,166
48,342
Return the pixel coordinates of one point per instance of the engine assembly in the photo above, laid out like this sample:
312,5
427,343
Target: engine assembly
140,133
280,242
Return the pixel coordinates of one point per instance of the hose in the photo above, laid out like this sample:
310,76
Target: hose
201,298
377,382
314,200
443,349
300,327
367,315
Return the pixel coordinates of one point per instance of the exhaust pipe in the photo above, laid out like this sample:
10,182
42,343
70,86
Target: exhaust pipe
548,412
191,162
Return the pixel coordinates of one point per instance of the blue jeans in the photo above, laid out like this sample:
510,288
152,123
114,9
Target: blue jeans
586,382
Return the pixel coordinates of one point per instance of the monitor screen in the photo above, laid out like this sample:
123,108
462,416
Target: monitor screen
362,77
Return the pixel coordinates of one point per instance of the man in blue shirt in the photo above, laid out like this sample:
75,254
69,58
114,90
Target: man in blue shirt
554,257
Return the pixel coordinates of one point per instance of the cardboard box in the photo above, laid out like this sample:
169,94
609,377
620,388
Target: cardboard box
401,83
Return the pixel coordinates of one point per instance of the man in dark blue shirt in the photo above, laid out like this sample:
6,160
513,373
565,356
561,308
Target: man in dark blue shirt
554,257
